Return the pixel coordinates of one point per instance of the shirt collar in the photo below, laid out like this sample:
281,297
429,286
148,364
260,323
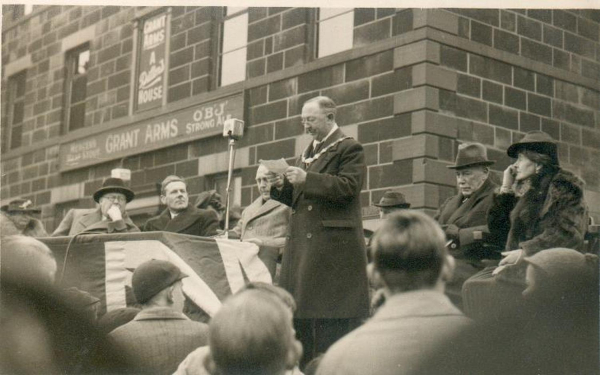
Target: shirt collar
333,129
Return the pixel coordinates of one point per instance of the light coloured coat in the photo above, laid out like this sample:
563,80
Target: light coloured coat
267,222
90,220
405,330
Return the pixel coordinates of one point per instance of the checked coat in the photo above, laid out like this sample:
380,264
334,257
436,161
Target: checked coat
158,339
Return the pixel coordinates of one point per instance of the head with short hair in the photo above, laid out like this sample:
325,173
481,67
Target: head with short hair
25,258
174,194
318,116
252,333
409,252
278,292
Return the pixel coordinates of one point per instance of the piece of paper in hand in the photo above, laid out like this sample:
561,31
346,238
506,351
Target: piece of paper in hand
276,166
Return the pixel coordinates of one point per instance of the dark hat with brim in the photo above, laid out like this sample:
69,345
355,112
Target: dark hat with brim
20,205
114,185
536,141
151,277
471,154
393,199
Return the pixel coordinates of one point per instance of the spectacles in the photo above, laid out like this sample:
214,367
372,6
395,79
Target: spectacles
115,198
308,120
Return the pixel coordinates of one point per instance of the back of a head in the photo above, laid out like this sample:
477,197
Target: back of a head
565,276
42,333
27,259
251,334
409,251
283,295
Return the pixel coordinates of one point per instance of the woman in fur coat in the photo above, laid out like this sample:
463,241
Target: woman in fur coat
16,218
539,205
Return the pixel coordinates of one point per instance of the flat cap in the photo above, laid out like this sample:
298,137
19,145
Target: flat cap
151,277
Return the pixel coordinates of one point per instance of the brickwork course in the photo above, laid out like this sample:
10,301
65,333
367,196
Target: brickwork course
415,84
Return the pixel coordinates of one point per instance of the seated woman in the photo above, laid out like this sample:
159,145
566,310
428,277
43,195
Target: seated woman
20,217
539,205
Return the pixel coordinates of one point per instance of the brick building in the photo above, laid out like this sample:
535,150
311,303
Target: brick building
86,89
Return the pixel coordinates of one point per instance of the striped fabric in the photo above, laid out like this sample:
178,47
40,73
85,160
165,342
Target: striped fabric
103,265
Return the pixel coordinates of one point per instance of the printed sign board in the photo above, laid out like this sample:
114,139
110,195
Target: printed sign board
152,63
189,124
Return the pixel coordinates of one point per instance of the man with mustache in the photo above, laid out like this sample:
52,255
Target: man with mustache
180,216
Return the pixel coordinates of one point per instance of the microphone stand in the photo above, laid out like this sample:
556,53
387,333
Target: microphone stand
229,176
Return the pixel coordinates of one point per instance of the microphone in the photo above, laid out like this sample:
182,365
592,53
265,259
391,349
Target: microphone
233,128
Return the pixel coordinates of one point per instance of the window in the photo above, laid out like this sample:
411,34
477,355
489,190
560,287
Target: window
219,183
234,39
335,27
76,87
16,109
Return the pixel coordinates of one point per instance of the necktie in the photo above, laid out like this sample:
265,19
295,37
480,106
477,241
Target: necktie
316,148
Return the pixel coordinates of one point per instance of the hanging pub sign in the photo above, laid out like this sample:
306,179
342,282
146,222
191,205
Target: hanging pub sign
152,63
199,121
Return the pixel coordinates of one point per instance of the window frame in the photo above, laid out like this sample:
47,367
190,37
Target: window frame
317,30
71,65
15,98
212,183
223,17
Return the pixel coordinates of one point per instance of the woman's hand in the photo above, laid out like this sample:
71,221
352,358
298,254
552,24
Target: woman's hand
511,258
509,176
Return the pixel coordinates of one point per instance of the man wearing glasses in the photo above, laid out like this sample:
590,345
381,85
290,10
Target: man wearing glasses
324,261
109,217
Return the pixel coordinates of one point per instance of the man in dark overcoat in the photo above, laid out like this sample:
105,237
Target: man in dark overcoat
324,261
180,216
464,217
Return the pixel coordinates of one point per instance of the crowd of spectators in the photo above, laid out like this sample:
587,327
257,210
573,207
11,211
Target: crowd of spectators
437,284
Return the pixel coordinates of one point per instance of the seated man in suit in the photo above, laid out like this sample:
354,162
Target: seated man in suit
265,221
180,216
109,217
464,216
413,264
